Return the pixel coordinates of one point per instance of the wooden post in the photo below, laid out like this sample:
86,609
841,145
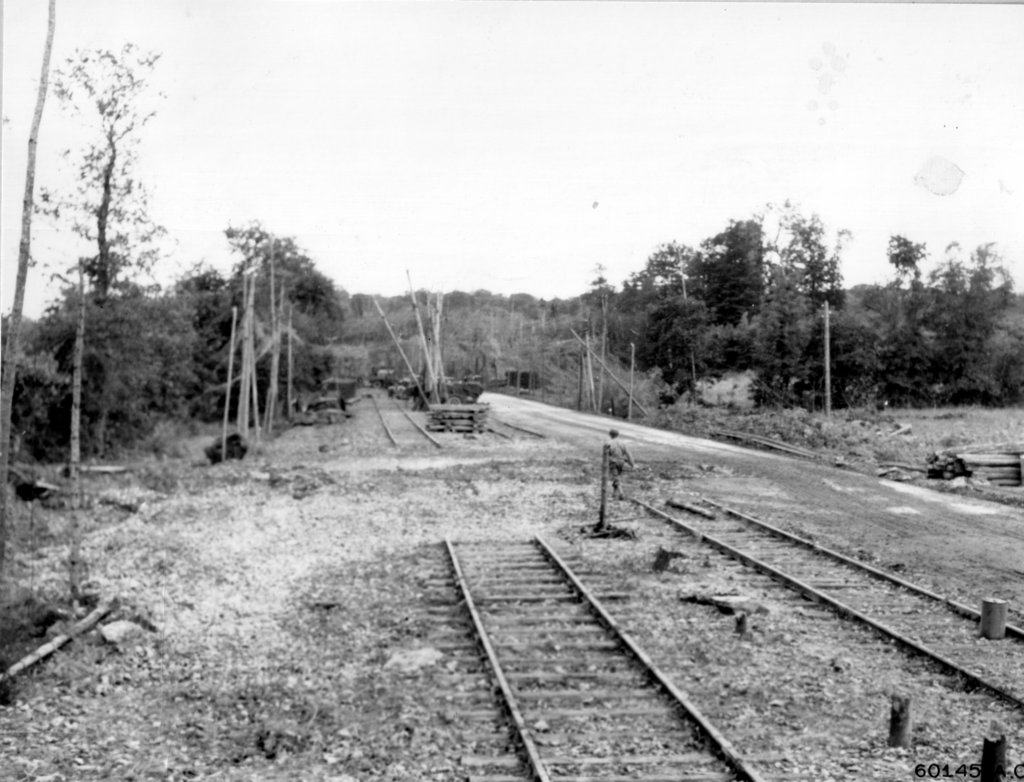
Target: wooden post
291,400
993,759
591,390
243,377
742,627
604,350
579,388
431,377
602,512
632,370
828,369
227,390
993,618
899,721
275,346
611,374
252,362
401,352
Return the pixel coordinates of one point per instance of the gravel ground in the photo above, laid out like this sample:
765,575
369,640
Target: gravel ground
281,587
805,693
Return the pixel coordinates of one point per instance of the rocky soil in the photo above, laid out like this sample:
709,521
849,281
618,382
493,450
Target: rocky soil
275,598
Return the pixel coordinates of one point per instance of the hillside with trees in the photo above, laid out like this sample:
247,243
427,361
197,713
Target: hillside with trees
116,359
742,301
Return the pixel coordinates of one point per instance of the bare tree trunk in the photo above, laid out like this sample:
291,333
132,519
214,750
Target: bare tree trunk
74,555
227,388
104,273
275,357
243,378
13,347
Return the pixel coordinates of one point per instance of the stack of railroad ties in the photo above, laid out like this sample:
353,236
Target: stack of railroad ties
464,419
999,465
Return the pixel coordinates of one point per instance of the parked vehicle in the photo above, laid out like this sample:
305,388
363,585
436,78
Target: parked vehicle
344,389
462,392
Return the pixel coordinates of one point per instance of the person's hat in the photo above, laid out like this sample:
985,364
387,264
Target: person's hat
614,433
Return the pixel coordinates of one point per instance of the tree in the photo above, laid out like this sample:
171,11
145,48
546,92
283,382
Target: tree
783,336
107,92
137,364
905,257
644,293
801,248
970,299
674,339
13,348
729,272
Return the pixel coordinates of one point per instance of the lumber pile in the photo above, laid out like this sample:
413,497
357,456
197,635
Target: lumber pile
1000,467
457,418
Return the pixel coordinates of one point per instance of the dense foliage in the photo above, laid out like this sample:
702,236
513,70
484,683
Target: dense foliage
952,334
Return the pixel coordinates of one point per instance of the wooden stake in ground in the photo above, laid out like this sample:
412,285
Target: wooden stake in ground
13,347
227,389
993,759
899,721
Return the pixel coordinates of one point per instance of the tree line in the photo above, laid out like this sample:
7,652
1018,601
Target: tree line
750,298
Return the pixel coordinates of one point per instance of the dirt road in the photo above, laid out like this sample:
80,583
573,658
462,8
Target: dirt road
960,546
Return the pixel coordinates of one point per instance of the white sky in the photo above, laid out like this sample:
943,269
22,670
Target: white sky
516,146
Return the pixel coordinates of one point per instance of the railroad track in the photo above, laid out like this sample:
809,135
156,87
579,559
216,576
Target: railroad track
399,424
918,619
582,700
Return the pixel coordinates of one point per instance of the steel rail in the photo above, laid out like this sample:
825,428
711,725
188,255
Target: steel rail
765,441
380,415
721,743
838,606
960,608
521,429
538,768
422,431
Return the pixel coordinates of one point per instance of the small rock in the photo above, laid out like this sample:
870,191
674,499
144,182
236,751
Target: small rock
541,725
840,664
120,631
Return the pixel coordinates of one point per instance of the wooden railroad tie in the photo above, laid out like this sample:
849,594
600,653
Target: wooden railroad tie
465,419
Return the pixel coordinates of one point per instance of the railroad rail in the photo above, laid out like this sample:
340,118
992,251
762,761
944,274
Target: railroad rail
383,421
584,701
916,618
412,421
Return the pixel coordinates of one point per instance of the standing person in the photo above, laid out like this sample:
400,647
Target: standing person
618,458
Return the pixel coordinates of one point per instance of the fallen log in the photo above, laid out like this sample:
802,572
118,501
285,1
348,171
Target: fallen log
104,608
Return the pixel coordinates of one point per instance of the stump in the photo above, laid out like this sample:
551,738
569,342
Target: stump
236,448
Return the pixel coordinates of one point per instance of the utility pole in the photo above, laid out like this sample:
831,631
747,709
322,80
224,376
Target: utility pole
828,368
632,370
